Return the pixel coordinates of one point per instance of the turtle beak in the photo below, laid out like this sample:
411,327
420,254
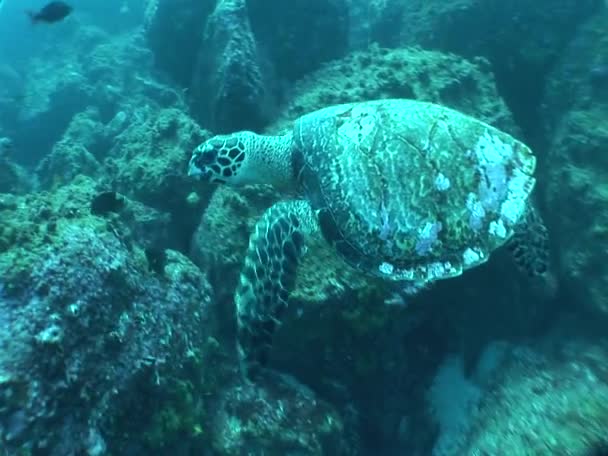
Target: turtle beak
194,170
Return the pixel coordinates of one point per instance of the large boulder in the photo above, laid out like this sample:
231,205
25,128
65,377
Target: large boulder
236,57
521,39
546,398
576,168
96,323
142,153
466,85
230,88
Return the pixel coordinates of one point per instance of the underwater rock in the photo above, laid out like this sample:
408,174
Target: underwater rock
549,398
577,191
375,21
13,177
90,336
234,61
300,35
229,88
401,73
574,110
148,162
90,71
522,40
78,152
171,25
277,416
575,82
142,153
11,84
66,162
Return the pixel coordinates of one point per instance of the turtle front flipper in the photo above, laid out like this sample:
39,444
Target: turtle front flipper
267,278
529,247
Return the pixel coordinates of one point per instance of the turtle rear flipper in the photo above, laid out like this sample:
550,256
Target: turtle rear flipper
267,278
529,247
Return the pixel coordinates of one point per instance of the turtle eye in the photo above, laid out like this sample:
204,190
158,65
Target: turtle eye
206,156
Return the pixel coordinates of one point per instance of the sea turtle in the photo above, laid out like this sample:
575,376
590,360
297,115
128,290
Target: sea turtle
402,189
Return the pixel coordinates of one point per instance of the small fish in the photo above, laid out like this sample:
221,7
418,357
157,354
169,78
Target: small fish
52,12
106,202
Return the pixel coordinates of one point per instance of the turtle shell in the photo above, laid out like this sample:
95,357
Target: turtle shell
410,190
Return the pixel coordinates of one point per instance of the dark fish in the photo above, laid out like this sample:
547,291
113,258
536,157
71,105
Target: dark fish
52,12
106,202
157,259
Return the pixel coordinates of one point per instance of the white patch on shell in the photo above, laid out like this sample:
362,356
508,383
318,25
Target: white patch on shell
497,228
497,191
492,188
520,187
427,237
406,274
386,268
471,257
490,149
477,212
361,124
442,183
439,270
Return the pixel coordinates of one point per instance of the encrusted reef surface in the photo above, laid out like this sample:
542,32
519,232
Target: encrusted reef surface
117,271
143,154
575,110
236,55
411,72
522,40
101,337
548,399
230,68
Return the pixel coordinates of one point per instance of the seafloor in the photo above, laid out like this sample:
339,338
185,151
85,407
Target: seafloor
117,271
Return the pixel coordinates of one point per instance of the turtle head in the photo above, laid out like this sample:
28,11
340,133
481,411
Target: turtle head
220,159
243,158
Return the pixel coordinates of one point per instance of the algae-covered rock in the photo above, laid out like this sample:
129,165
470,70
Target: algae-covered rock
89,71
577,190
91,328
143,154
148,162
14,178
277,416
579,80
432,76
78,152
300,35
545,400
521,39
575,171
149,159
177,24
230,87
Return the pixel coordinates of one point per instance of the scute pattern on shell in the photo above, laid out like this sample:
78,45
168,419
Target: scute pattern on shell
410,190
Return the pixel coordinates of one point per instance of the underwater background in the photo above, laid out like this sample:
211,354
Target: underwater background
118,271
